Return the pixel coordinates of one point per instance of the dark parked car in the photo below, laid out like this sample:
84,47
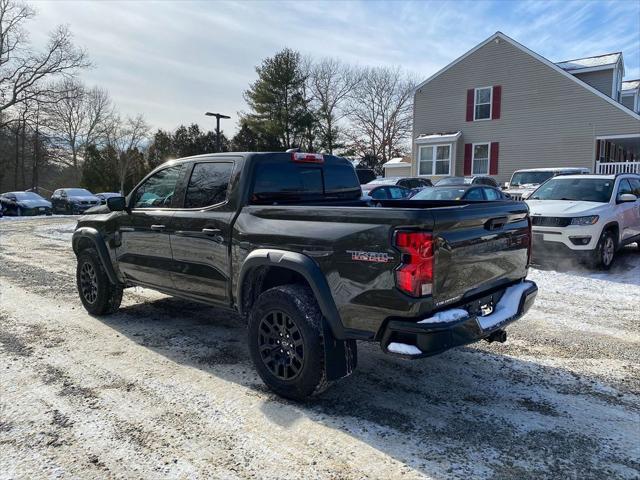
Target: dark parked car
104,195
365,175
410,183
73,200
284,239
24,203
387,192
461,192
475,180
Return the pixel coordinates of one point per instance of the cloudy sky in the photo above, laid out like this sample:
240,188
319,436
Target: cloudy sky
174,60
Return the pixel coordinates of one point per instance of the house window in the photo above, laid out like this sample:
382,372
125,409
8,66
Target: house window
434,160
482,103
480,160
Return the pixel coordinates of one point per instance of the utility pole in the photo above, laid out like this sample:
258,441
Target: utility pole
218,117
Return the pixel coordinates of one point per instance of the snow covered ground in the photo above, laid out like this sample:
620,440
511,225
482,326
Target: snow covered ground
165,388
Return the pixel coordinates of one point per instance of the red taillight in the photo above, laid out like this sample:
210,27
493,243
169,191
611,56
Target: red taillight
307,157
415,275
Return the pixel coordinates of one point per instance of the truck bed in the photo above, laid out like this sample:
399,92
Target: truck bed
480,246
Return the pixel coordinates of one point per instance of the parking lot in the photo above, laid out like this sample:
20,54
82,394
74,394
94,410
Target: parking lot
166,387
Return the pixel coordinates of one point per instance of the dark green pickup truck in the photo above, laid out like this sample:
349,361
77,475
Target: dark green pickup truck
285,240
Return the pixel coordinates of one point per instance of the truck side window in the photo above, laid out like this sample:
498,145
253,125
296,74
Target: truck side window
208,184
157,190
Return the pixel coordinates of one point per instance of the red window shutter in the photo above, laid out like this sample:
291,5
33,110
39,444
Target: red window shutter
467,159
493,158
496,102
597,150
470,94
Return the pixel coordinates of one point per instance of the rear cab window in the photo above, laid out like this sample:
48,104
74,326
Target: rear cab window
278,178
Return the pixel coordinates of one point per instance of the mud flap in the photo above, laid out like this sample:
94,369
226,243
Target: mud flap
340,356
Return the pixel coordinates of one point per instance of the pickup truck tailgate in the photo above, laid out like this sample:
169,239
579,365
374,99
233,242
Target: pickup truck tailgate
479,247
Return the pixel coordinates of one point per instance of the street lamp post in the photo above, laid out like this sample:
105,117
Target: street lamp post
218,117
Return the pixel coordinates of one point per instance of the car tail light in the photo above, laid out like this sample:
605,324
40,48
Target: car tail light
414,276
307,157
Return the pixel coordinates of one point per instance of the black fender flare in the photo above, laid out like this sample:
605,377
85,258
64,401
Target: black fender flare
614,225
96,238
306,267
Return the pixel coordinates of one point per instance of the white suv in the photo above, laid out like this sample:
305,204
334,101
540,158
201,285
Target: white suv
589,215
524,182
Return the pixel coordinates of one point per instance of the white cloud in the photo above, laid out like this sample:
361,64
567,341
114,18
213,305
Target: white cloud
172,61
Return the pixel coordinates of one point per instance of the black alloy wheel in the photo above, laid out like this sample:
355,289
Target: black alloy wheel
281,345
88,283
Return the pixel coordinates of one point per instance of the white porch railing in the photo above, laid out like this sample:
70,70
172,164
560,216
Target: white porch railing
611,168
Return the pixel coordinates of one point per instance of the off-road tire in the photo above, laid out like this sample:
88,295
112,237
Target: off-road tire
299,305
107,297
604,254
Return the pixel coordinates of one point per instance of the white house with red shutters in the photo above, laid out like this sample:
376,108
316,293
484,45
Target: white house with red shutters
501,107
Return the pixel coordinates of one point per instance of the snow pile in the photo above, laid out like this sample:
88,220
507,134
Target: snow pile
404,349
507,306
446,316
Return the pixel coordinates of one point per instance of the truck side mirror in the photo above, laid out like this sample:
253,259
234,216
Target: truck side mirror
117,204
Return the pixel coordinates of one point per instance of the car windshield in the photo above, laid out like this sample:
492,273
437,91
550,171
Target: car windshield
28,196
439,194
530,178
79,192
452,181
580,189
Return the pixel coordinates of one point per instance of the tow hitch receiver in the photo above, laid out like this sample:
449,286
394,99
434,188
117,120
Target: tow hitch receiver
497,336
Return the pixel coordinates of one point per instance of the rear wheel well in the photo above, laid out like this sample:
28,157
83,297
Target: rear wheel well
261,279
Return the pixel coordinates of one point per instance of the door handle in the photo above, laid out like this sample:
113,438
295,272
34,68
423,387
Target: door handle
158,227
216,233
495,223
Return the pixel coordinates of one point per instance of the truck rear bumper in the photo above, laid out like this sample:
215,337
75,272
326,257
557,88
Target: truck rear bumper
432,336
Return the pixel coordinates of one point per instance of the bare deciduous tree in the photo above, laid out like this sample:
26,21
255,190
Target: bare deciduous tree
80,118
380,114
24,73
126,138
331,83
